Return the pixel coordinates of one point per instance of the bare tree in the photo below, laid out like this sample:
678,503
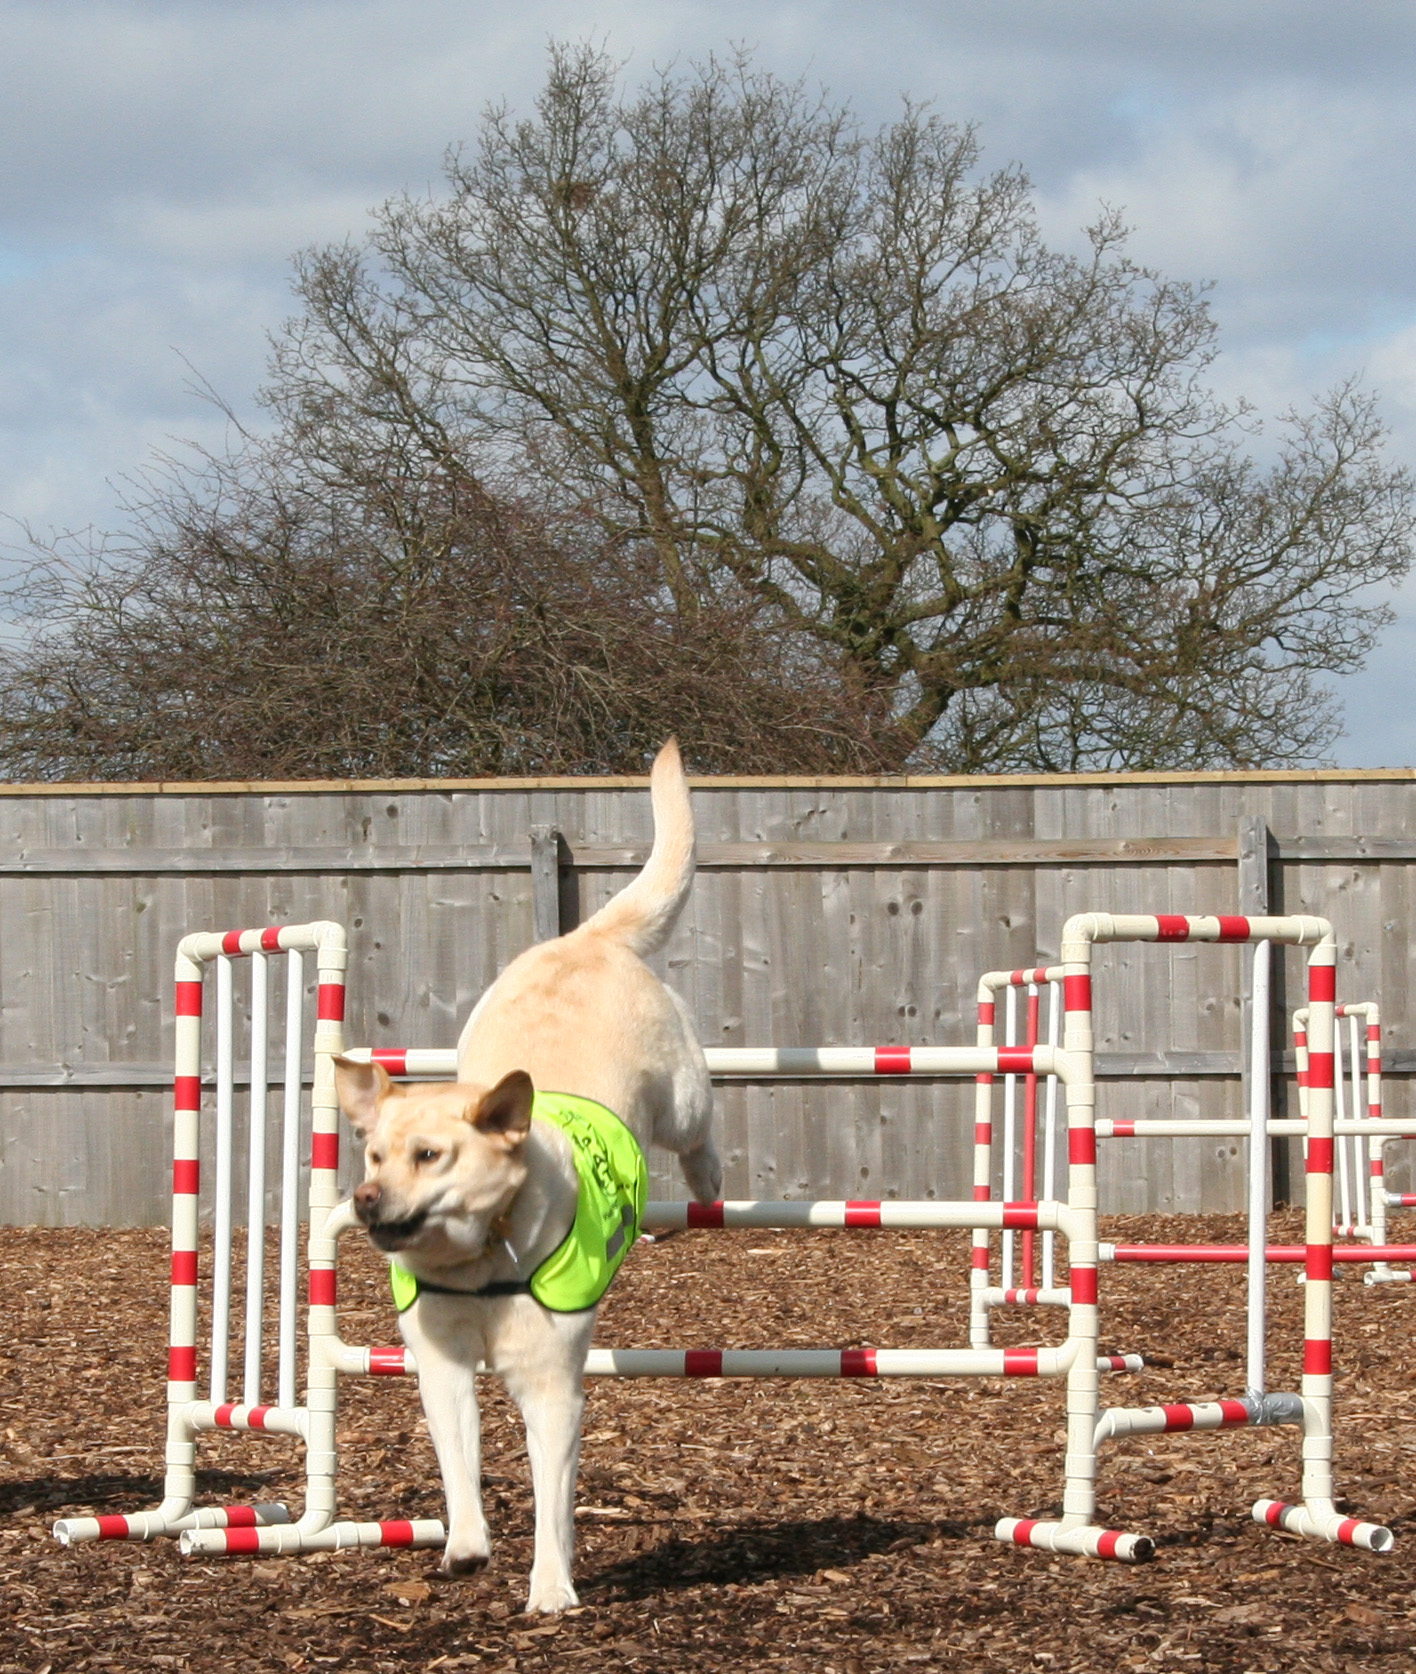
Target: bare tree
841,374
259,625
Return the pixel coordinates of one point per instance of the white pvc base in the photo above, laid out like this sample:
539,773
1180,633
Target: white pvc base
154,1525
1087,1540
334,1537
1330,1526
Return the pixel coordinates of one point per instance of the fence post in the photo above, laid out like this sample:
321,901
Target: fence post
1254,902
545,882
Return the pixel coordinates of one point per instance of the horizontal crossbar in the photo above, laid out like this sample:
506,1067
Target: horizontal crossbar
769,1214
1292,1254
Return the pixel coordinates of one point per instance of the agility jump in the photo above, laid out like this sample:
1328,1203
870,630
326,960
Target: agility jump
1077,1360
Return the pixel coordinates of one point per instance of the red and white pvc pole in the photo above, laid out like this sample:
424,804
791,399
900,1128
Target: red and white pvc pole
1294,1255
1316,1515
982,1171
1260,1112
1371,1158
758,1063
1078,1530
1020,983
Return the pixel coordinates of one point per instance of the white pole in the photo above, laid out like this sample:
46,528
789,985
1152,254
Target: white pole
221,1207
1339,1078
1049,1134
1360,1162
255,1183
1010,1108
290,1176
1259,1097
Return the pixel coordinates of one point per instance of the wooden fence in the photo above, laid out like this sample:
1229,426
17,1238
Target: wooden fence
825,911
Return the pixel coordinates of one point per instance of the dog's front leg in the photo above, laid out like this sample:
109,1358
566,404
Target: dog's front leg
549,1389
448,1388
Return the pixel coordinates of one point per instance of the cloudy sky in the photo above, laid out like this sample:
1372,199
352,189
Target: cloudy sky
164,158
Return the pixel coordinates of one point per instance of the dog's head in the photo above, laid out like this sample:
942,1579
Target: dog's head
441,1164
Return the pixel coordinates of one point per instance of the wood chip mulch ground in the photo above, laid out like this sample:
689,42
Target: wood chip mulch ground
806,1527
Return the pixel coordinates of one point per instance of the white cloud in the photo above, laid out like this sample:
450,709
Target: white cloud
1277,186
243,231
94,375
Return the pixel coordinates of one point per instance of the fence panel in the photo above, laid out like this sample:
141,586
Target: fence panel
824,911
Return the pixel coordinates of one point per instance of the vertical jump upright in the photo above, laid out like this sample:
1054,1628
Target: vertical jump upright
248,1528
1369,1160
1315,1513
984,1296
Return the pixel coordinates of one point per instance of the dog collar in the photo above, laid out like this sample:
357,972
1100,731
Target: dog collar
407,1287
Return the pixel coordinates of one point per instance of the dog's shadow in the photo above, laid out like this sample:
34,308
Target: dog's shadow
766,1551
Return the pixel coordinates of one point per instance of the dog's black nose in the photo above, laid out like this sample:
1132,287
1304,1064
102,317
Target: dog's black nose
367,1199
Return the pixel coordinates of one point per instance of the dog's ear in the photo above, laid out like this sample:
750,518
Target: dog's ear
505,1112
361,1088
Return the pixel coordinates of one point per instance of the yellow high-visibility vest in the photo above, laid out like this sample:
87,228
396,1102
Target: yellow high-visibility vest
609,1210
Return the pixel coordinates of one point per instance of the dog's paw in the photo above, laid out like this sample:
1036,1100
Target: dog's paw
550,1598
458,1564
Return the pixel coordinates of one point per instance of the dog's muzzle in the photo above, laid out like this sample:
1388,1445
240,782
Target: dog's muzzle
394,1235
389,1234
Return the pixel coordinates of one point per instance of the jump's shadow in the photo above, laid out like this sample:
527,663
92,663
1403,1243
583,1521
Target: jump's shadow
104,1492
762,1551
770,1551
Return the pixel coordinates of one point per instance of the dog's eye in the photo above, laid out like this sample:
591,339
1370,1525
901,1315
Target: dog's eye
375,1157
424,1155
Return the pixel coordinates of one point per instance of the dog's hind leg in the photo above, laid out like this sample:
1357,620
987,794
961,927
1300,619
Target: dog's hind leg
549,1389
683,1120
448,1389
703,1170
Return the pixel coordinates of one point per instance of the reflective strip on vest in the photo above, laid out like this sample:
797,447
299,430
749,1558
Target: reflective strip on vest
609,1209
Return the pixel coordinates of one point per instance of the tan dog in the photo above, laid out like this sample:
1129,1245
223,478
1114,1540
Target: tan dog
468,1191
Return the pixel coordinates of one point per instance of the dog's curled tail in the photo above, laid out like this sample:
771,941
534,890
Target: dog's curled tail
643,913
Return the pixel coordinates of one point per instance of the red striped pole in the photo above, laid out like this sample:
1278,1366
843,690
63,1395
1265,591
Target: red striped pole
982,1171
321,1322
180,1481
1331,1526
1317,1292
1380,1201
1236,1254
827,1363
330,1537
1083,1381
1166,1420
1317,1516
